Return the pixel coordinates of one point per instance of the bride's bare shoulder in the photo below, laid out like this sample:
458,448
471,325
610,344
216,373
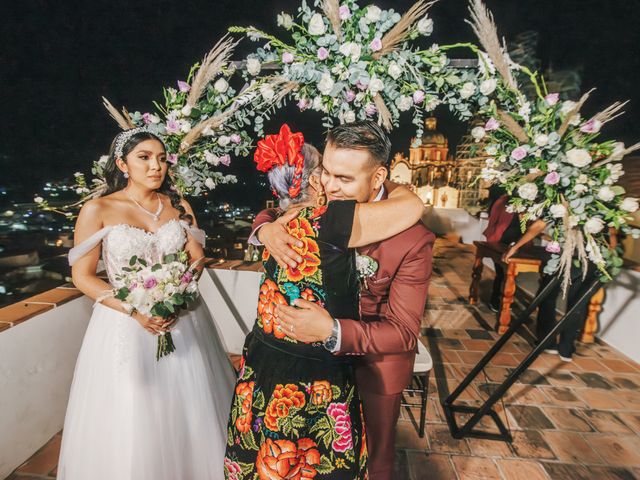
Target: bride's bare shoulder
98,207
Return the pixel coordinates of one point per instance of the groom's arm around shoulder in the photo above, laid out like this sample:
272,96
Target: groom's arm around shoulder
397,331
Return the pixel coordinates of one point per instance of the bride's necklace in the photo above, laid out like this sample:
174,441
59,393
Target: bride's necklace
156,215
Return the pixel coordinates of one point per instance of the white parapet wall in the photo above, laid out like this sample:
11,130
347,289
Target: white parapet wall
458,221
37,359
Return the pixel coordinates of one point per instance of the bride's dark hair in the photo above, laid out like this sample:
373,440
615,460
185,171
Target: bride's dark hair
116,180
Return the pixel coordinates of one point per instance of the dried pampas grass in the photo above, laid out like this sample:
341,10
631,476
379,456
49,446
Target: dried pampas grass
400,30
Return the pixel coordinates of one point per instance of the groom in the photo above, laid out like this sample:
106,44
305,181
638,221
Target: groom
392,301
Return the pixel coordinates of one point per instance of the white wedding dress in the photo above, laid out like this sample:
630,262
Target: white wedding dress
129,416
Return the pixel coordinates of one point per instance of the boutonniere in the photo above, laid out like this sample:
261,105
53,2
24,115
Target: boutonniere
366,267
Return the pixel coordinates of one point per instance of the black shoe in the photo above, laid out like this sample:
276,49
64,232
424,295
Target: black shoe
494,306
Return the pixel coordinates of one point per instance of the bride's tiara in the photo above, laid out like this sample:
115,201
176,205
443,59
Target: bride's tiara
123,138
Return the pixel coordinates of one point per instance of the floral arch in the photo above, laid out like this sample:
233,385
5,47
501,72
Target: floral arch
353,62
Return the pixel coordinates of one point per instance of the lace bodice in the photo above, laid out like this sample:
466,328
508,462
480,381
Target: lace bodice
121,242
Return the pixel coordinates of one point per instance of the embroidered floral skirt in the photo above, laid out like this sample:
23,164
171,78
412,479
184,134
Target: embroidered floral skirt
295,415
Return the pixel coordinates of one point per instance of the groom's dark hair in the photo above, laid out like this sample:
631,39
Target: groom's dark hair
363,135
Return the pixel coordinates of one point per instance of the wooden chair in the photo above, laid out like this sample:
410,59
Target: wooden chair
419,386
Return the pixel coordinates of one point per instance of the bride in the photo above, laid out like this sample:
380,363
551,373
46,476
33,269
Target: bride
130,416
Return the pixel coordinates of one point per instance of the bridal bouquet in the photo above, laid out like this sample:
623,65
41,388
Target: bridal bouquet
160,290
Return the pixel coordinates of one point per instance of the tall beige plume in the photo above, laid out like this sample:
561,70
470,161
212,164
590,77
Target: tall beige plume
394,37
331,9
122,119
384,115
573,112
485,29
611,112
211,65
513,126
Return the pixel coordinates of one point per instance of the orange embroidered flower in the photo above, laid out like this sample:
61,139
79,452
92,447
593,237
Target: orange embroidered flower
265,255
283,459
244,392
321,392
284,397
269,297
301,229
308,295
318,211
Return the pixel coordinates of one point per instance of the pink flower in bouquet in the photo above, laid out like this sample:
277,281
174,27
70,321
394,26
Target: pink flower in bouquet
173,126
553,247
186,278
235,138
172,158
343,427
349,96
519,153
376,44
150,283
183,86
225,160
323,53
303,104
552,98
552,178
592,126
287,57
491,125
344,12
418,97
370,109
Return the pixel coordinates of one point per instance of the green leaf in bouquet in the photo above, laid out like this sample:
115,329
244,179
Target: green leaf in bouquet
169,306
160,310
178,299
142,262
122,293
133,260
169,258
618,190
156,267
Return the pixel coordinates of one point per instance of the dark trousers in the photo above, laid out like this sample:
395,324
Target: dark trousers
381,414
498,281
547,310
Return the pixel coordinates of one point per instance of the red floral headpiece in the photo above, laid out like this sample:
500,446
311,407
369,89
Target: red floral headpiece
285,148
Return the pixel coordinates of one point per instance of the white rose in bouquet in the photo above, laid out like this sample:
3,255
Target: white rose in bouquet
629,204
593,225
221,85
578,157
253,66
326,83
606,194
528,191
488,86
316,25
558,210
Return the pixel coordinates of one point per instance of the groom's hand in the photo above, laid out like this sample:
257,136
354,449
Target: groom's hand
278,242
308,323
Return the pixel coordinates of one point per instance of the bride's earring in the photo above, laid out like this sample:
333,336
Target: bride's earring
126,175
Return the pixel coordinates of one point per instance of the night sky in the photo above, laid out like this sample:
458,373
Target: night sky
58,58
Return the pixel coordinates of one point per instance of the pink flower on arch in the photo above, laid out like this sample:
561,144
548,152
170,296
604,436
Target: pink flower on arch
553,247
183,86
552,178
376,44
519,153
491,125
322,53
552,99
149,283
349,96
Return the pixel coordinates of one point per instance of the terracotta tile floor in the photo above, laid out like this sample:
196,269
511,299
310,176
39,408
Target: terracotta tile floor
570,421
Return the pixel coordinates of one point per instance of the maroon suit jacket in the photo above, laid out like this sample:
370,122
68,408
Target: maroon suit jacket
392,306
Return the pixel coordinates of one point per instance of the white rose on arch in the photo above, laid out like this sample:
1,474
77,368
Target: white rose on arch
606,194
593,225
578,157
351,50
558,210
326,83
478,133
528,191
373,13
629,204
376,85
221,85
404,103
425,26
467,90
267,92
394,70
253,66
349,116
316,25
488,86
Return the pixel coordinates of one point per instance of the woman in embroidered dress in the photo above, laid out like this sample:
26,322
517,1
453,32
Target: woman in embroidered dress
129,416
296,413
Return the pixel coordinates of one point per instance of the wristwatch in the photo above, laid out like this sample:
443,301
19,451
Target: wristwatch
332,340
